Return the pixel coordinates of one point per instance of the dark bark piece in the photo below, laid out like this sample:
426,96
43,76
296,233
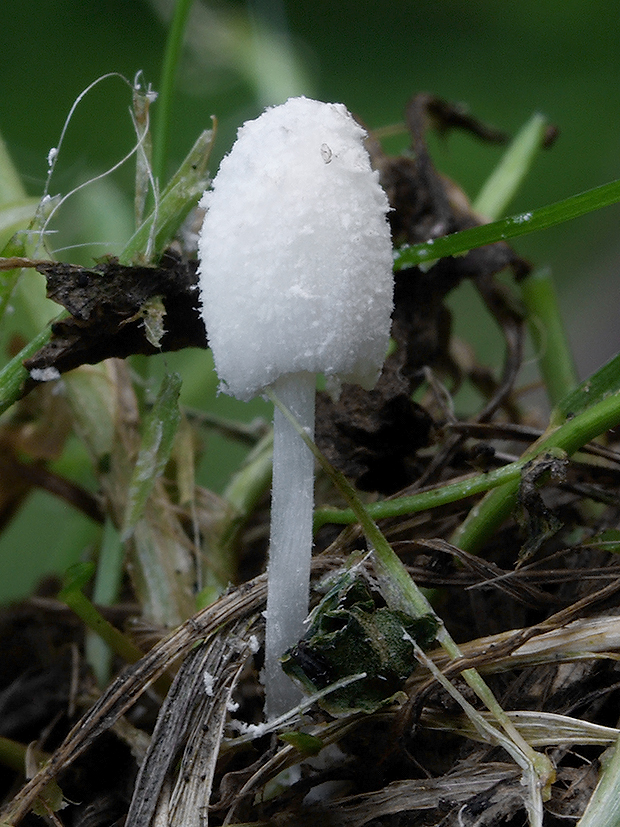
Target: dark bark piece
109,305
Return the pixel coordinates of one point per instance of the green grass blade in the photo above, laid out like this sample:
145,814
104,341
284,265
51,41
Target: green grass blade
16,247
604,382
501,186
603,808
548,335
106,590
76,577
158,433
507,228
14,374
172,56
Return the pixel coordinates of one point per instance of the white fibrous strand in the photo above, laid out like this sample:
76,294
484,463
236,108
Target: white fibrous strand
295,279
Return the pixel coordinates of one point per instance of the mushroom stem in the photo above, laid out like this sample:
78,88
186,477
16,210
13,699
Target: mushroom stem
290,550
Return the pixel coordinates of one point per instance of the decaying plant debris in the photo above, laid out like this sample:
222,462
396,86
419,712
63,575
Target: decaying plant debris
536,612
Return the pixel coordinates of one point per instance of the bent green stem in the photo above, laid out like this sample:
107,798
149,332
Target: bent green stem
424,500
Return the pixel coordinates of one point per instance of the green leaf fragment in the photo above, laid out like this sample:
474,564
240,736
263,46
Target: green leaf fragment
307,745
177,199
352,631
158,434
608,540
76,578
50,801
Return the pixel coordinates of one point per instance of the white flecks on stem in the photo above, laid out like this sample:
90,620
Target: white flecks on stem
292,501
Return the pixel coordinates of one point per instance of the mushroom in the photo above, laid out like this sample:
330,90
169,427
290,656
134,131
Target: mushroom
295,279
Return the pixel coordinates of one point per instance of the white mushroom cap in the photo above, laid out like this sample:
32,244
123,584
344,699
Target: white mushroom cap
295,252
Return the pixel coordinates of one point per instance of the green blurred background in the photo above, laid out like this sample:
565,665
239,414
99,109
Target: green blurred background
503,60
